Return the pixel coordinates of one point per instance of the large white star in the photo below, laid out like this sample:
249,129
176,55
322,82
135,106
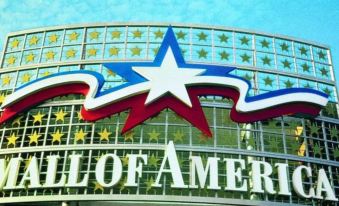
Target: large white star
168,78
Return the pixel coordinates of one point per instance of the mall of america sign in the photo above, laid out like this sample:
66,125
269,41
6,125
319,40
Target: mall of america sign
167,82
199,176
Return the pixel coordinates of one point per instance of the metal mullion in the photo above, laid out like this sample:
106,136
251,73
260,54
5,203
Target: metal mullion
294,58
190,44
62,44
42,46
22,49
47,125
126,41
83,42
147,42
104,43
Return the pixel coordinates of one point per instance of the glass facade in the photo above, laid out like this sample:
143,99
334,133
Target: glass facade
268,62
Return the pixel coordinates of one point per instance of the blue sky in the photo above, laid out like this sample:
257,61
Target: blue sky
316,20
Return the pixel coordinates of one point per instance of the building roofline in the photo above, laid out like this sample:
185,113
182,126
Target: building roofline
198,26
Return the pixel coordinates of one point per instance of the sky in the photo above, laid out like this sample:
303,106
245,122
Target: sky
314,20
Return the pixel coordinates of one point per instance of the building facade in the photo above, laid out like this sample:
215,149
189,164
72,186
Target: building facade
56,127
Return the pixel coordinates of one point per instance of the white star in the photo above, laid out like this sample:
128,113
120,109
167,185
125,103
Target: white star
168,78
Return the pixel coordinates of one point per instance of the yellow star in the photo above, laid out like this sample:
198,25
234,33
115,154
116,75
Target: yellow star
124,160
26,78
97,186
2,98
11,60
57,136
149,184
73,36
80,135
98,157
33,40
94,35
50,55
114,51
53,38
178,136
38,117
110,73
137,34
203,138
115,34
46,73
28,161
6,80
104,135
70,53
17,121
135,51
60,115
30,57
34,138
15,43
12,139
153,135
80,116
129,136
92,52
159,34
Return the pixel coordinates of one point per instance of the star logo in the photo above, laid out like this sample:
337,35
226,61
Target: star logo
168,82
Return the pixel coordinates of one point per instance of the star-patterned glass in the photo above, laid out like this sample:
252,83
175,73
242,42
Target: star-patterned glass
303,83
136,51
264,43
15,43
68,68
137,34
95,35
243,40
12,59
182,35
114,51
201,37
116,34
283,46
30,57
156,34
34,40
302,51
51,54
320,55
7,80
71,53
223,55
74,36
46,71
323,71
25,77
264,60
244,57
305,67
287,82
93,51
329,90
286,64
153,50
223,38
54,38
267,82
200,53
